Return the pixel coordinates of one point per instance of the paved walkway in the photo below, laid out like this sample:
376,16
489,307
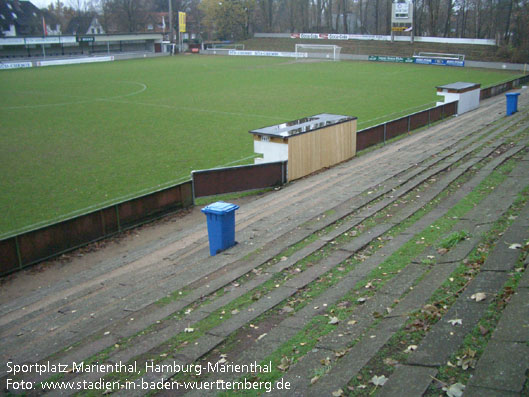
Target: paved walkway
330,276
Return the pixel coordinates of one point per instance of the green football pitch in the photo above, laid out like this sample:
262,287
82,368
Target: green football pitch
77,138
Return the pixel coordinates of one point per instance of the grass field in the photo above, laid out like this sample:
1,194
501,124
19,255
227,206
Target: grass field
76,138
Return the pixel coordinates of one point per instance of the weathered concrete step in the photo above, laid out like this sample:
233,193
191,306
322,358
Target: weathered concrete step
159,339
57,320
135,323
232,329
503,365
336,340
444,338
299,378
219,333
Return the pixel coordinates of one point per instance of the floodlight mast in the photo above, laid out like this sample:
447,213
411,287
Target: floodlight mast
171,23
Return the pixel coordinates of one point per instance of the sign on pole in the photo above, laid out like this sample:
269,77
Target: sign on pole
181,22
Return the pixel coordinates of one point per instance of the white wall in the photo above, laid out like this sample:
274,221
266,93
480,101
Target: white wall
271,151
467,100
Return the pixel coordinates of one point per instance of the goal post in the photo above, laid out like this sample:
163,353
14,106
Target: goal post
319,51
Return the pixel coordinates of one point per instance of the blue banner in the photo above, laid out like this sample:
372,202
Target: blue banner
440,62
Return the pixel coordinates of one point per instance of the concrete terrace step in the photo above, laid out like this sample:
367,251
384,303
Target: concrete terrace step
57,323
159,335
444,338
114,292
292,323
361,353
299,282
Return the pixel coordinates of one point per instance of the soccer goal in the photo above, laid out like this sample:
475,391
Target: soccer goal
320,51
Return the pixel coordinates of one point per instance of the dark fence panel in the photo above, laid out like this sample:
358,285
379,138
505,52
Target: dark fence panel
60,237
153,205
8,255
436,114
396,127
450,109
369,137
37,245
420,119
503,87
382,132
110,220
485,93
237,179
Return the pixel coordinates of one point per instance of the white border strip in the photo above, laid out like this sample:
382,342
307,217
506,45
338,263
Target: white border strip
325,36
267,54
74,61
15,65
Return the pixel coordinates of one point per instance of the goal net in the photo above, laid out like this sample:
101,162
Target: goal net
320,51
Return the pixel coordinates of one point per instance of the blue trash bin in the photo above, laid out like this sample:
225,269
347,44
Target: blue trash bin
221,226
512,102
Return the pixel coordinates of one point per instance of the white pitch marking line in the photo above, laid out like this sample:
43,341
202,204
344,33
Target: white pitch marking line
85,99
195,109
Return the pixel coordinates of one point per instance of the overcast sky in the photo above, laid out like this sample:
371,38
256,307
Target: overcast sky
41,3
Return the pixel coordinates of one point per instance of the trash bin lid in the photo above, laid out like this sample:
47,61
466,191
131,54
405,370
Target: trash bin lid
219,208
512,94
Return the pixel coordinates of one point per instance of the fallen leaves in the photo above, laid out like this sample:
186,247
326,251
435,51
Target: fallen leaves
455,390
410,348
287,309
361,300
390,361
340,353
334,320
285,363
467,360
325,361
456,321
478,297
378,380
